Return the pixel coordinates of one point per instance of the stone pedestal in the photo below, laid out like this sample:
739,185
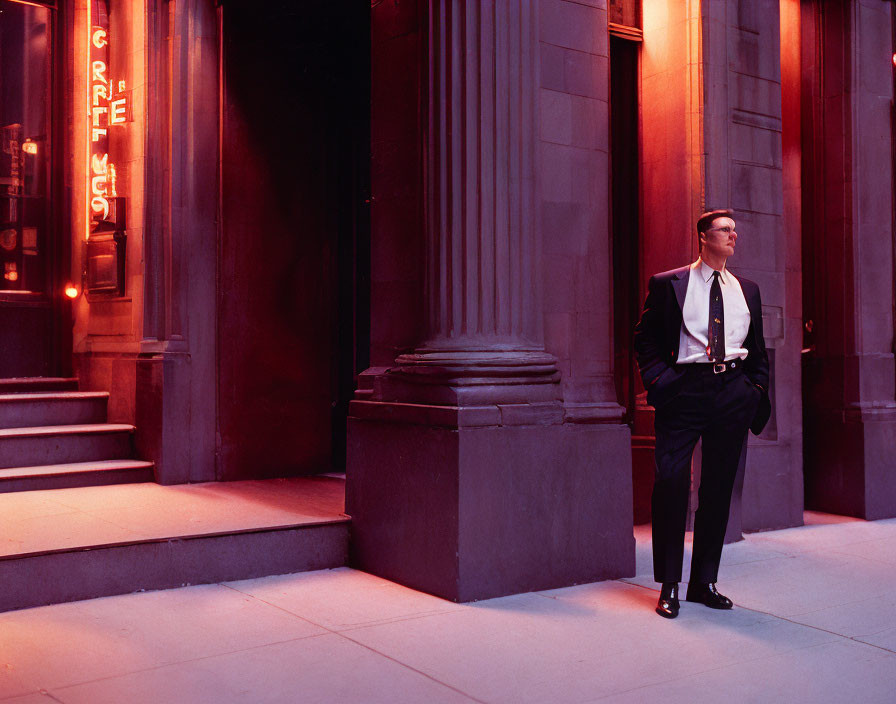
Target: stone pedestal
851,463
470,512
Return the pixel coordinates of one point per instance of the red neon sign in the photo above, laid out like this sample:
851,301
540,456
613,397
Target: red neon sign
109,106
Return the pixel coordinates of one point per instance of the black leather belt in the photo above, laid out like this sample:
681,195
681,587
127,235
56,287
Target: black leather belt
715,367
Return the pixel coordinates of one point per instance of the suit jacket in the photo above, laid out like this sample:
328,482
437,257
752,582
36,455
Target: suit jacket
657,339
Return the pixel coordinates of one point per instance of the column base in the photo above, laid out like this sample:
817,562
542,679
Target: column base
466,377
849,462
481,511
169,422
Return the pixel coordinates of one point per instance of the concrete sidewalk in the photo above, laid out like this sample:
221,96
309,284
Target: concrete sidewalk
815,621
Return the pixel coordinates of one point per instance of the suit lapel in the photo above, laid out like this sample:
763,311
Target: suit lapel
751,296
752,305
680,285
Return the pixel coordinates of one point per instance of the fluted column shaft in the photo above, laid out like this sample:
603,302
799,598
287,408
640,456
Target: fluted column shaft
484,319
482,285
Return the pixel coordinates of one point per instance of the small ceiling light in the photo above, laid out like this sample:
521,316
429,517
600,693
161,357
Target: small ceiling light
71,291
29,147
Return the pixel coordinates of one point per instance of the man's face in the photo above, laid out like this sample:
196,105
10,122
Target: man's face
720,238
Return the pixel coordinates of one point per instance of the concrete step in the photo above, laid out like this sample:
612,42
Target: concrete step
65,476
64,444
28,384
29,410
81,543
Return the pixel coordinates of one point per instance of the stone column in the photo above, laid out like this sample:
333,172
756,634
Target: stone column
175,385
463,479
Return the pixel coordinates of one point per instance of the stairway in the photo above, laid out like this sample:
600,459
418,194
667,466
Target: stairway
53,436
83,519
85,542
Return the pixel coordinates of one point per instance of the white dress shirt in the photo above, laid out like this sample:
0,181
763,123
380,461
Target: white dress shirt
694,335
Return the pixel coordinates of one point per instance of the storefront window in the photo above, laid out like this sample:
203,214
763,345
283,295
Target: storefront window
626,13
25,95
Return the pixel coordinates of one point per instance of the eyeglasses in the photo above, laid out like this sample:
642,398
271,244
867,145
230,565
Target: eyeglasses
726,230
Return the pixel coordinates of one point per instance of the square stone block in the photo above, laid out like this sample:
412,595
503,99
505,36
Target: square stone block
475,513
849,461
556,117
574,26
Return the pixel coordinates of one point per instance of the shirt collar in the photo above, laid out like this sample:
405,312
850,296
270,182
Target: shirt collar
706,271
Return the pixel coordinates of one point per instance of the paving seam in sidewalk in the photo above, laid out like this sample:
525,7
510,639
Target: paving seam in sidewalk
161,666
876,561
709,669
412,669
839,638
351,626
798,623
341,634
855,639
398,619
826,608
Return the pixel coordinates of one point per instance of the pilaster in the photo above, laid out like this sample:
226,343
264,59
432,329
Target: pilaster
743,141
848,369
175,375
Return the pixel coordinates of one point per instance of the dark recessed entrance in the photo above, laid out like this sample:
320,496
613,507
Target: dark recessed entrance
625,156
293,259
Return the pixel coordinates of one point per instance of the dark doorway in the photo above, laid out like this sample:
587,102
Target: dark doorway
625,156
30,254
293,282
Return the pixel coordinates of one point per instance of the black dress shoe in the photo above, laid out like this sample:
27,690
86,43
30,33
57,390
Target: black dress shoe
668,605
708,595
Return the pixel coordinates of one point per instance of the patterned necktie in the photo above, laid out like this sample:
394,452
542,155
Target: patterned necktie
715,350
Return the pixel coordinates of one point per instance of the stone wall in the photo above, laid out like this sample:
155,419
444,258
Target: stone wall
744,170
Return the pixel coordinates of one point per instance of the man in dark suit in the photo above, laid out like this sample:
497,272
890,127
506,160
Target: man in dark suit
703,361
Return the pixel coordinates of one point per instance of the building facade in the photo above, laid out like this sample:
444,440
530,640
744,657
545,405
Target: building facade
409,240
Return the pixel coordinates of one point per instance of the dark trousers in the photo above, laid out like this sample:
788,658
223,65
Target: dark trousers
717,408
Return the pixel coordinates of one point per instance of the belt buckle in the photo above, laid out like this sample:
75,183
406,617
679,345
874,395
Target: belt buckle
719,368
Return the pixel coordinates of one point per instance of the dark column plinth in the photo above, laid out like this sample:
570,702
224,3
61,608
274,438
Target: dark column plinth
470,513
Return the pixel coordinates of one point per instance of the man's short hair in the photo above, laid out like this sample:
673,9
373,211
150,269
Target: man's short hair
704,222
